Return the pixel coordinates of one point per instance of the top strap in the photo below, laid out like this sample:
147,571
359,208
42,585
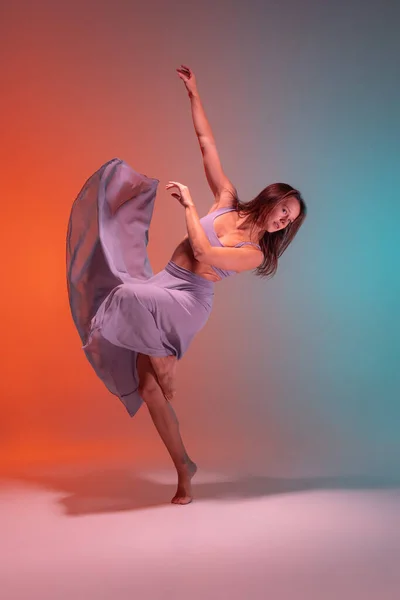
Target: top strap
243,243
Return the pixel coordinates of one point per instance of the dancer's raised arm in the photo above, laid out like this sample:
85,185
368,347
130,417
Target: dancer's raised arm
215,175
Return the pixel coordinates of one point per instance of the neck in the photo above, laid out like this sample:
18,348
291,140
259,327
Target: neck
254,233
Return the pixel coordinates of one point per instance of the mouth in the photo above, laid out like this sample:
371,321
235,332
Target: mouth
276,225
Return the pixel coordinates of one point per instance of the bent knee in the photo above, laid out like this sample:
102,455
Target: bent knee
149,390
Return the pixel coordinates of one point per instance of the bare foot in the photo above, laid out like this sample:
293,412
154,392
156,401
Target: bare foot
184,492
165,370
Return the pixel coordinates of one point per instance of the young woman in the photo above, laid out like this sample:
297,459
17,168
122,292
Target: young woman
135,326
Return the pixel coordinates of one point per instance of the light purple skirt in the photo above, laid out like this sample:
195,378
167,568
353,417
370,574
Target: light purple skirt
120,308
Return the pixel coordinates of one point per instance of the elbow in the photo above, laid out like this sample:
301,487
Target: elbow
201,255
201,250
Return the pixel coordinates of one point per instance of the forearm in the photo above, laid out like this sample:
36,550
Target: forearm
197,238
200,122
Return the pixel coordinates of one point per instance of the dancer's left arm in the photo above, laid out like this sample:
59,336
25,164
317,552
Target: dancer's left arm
236,259
197,237
232,259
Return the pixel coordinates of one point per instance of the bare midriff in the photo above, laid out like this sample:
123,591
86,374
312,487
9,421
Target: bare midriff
183,256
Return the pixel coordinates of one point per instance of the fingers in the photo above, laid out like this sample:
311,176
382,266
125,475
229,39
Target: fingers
185,71
172,183
182,189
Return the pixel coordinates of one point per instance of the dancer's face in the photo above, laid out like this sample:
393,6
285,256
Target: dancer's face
284,213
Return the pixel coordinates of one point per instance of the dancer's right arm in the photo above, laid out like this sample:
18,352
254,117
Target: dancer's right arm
215,175
216,178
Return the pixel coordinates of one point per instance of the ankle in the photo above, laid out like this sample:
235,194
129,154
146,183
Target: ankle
183,469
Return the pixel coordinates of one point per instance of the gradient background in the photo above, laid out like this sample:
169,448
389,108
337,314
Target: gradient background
294,375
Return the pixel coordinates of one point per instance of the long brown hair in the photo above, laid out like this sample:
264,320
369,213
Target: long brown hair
273,244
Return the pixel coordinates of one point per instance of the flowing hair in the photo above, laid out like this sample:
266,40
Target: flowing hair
273,244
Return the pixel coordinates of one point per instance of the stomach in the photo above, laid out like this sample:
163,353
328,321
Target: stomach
184,257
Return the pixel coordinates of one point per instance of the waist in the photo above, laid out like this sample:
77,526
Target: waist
200,282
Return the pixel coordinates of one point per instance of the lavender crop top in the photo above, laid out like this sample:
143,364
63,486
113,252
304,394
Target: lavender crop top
207,223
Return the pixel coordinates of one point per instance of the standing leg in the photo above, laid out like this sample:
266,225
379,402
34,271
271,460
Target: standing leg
167,425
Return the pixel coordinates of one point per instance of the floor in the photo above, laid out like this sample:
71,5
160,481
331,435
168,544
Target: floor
70,532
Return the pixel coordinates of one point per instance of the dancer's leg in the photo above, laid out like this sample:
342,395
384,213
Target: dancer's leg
165,370
167,425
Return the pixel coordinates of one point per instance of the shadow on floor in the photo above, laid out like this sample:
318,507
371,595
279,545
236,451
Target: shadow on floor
120,489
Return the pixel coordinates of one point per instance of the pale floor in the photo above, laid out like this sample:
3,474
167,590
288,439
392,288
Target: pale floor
111,534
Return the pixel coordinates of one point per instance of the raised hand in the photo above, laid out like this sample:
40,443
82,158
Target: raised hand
184,196
188,77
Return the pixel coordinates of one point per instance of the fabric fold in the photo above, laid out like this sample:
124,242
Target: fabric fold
119,307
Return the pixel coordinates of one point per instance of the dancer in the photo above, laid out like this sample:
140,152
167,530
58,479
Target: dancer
136,325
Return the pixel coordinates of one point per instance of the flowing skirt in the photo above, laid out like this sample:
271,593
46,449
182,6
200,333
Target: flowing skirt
119,307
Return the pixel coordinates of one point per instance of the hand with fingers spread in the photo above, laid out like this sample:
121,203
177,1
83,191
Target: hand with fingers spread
188,77
184,196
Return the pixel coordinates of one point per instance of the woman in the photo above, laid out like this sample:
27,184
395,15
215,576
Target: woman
135,325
